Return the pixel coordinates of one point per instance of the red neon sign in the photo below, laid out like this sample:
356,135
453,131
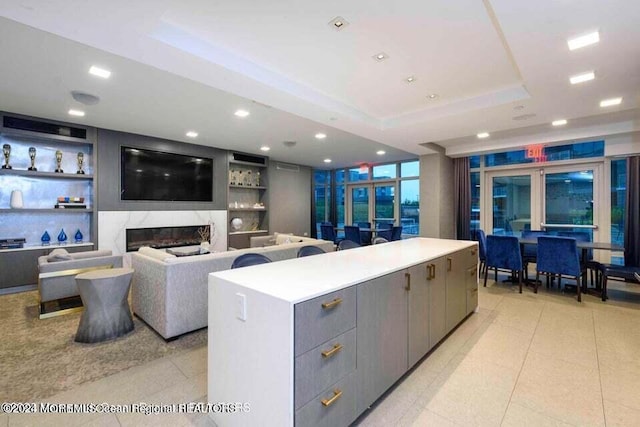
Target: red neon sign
535,152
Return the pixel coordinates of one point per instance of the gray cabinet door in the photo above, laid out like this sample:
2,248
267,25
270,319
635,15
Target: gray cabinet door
418,312
456,265
437,301
381,355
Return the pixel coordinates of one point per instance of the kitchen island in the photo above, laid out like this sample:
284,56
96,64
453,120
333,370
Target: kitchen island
316,340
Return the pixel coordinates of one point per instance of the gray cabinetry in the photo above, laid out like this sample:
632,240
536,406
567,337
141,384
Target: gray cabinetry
456,297
381,337
437,301
418,312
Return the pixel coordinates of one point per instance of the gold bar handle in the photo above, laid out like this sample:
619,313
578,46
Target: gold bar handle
408,285
474,251
433,271
449,262
428,271
336,395
336,348
328,305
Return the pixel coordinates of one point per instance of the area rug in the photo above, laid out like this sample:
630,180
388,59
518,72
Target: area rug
39,358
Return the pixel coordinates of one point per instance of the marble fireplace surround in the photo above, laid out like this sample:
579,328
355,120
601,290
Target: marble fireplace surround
112,226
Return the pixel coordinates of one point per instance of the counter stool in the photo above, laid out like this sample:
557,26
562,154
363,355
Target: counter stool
104,295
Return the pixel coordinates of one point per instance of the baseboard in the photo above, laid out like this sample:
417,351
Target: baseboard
18,289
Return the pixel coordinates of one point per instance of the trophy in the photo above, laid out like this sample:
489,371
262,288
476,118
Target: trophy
6,150
58,161
80,162
32,155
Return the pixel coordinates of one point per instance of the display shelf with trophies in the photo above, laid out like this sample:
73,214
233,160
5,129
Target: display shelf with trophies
247,198
47,168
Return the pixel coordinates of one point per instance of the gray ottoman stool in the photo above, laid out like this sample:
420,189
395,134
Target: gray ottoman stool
106,309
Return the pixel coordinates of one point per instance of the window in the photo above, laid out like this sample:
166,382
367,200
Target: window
410,169
384,171
618,196
581,150
475,203
410,206
359,174
474,162
322,197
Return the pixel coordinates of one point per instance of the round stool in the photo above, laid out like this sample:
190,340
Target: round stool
106,312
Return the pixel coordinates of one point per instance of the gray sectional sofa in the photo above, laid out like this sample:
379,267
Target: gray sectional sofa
170,293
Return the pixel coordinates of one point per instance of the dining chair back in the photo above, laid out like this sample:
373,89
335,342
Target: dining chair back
558,256
385,233
310,250
363,224
482,246
396,233
327,232
249,259
503,253
347,244
352,232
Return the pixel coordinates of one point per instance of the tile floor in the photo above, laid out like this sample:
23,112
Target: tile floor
521,360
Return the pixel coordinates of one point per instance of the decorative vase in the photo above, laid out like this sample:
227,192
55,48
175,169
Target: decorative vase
16,199
78,237
45,239
62,237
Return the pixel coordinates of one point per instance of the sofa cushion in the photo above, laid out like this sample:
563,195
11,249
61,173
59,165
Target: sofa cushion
58,255
155,253
90,254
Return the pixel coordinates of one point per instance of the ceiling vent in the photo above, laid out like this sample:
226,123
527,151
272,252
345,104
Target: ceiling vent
524,117
248,158
287,167
84,98
43,127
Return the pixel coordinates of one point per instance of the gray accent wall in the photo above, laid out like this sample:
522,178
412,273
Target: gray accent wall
108,155
437,216
289,205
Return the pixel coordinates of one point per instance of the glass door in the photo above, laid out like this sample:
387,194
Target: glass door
384,204
374,203
570,203
358,204
510,199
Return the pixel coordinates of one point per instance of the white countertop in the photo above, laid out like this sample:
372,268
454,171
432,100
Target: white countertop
300,279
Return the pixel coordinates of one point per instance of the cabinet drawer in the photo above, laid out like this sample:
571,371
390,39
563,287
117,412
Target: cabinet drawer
472,300
338,409
324,365
320,319
472,277
470,257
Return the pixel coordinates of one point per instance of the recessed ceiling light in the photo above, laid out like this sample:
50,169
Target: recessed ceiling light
242,113
483,135
338,23
167,174
380,56
582,41
100,72
381,152
610,102
561,122
76,113
265,148
584,77
410,79
327,160
192,134
138,170
432,96
321,135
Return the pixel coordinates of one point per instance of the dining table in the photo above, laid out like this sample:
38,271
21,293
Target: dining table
584,248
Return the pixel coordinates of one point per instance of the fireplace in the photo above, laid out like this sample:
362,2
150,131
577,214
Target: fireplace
164,237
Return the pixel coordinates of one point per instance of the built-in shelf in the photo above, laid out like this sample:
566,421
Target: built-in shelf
24,172
51,246
247,209
46,210
248,232
248,187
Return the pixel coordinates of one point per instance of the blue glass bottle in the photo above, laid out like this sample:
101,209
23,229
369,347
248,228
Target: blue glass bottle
78,237
45,239
62,237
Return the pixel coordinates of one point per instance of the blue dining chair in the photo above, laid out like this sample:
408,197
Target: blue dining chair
588,264
558,256
530,252
347,244
396,233
309,251
503,253
620,272
365,236
249,259
352,232
385,231
327,232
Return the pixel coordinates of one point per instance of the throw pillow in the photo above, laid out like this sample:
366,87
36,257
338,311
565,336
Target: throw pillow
58,255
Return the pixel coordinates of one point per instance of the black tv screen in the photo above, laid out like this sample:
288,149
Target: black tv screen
154,175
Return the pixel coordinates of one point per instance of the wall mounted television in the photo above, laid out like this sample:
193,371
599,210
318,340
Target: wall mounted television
157,176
